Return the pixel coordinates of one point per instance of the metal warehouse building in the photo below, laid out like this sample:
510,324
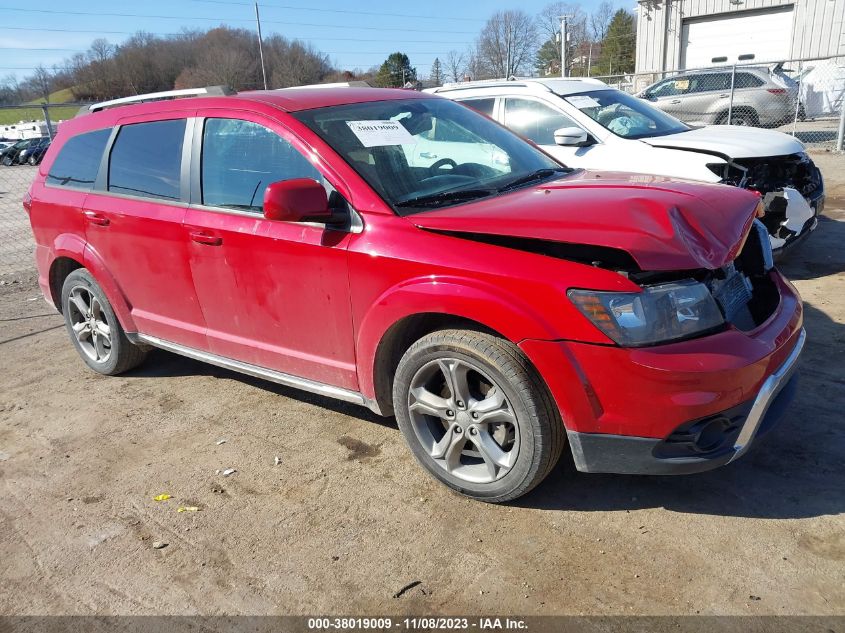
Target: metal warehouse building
682,34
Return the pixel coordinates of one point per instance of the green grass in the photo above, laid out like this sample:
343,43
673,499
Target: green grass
14,115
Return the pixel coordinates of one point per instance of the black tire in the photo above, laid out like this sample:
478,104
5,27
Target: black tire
741,117
122,354
7,161
32,160
540,430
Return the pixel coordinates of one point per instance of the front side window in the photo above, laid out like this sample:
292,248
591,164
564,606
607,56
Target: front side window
534,120
78,161
240,159
381,140
625,115
146,159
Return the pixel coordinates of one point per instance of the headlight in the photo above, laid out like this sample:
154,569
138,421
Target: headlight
658,314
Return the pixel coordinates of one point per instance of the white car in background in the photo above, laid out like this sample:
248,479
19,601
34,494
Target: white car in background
585,123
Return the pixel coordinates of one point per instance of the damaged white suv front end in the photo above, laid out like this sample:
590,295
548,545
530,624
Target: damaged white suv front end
585,123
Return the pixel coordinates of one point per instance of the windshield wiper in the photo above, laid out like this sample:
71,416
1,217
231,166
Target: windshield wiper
445,196
540,174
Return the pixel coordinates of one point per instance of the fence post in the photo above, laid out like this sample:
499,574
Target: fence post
797,99
47,120
840,139
731,102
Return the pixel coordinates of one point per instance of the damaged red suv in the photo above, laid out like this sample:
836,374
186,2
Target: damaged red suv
400,251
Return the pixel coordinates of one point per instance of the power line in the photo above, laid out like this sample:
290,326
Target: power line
336,39
185,17
392,15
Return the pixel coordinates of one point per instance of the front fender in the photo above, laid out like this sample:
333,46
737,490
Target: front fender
470,299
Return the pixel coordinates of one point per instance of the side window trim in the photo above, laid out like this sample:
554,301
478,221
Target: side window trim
101,184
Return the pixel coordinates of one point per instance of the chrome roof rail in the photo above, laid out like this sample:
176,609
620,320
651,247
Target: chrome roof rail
210,91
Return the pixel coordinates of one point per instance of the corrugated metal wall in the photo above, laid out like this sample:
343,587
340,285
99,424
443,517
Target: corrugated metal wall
818,28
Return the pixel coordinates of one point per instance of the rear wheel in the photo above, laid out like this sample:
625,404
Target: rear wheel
740,117
32,161
94,329
476,415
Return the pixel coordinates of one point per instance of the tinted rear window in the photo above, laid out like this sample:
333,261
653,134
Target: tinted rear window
79,160
485,106
146,159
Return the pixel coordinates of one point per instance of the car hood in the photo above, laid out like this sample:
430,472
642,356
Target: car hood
733,141
663,224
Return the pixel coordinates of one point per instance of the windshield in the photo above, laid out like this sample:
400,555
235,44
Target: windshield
625,115
421,154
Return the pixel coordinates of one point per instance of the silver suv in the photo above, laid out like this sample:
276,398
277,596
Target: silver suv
761,98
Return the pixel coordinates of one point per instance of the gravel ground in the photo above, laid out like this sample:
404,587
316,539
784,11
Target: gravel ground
346,519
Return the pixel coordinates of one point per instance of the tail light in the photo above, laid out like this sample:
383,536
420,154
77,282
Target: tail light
27,202
776,91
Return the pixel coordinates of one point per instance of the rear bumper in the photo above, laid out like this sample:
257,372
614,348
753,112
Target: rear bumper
683,452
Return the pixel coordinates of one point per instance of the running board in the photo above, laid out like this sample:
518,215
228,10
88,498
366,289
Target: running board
287,380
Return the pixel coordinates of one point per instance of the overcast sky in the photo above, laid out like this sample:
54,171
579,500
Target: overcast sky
354,34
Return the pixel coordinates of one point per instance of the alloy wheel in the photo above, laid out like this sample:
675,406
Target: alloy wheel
463,420
89,324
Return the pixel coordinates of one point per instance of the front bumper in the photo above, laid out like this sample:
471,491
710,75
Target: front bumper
604,453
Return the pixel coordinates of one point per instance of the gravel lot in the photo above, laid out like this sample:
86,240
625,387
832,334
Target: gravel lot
347,518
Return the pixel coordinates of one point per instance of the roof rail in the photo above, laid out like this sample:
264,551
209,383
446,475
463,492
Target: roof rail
339,84
210,91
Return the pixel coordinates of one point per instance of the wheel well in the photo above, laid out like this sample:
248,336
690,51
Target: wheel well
399,337
723,117
59,270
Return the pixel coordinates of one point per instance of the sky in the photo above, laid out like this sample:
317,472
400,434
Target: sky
356,34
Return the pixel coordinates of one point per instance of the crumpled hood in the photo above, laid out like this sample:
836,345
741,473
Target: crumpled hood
734,141
663,224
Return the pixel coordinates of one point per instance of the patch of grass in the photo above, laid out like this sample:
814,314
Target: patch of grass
60,96
13,115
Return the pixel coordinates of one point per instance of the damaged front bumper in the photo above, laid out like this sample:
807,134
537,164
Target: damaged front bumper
698,445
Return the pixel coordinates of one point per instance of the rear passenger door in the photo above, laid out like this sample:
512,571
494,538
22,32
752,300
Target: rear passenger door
133,224
275,294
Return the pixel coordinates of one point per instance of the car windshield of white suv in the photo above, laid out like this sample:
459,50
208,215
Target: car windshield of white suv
625,115
421,154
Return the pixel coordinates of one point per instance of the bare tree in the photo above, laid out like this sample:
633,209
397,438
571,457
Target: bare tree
508,42
43,81
600,20
455,65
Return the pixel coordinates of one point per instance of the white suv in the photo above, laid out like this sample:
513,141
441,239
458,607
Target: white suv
586,123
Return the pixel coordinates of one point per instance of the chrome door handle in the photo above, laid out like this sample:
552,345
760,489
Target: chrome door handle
675,101
724,96
427,155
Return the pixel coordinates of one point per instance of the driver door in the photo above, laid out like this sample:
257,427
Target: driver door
274,294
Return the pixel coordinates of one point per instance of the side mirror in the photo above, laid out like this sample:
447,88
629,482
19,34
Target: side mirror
296,200
571,136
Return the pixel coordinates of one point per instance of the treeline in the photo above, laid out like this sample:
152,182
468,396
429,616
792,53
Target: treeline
149,63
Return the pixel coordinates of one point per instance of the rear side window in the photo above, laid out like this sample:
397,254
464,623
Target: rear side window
747,80
146,159
485,106
78,161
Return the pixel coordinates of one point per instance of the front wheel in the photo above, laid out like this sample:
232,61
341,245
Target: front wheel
94,329
476,415
32,160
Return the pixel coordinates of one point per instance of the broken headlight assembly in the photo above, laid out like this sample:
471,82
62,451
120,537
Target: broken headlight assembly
659,314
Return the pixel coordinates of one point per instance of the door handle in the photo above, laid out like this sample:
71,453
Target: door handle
96,218
673,101
202,237
724,96
427,155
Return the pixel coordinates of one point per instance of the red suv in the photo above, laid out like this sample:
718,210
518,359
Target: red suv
400,251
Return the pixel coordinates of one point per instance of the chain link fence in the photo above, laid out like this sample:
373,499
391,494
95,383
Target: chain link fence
25,134
801,97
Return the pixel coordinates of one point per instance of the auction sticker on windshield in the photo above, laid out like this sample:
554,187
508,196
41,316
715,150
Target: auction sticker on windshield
380,133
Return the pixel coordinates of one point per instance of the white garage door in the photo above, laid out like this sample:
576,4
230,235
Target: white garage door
764,34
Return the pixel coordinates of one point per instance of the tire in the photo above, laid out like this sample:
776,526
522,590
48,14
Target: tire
32,161
450,437
742,118
7,161
86,308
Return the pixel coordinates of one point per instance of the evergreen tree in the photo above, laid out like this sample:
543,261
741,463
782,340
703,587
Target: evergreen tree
436,72
548,60
618,46
396,71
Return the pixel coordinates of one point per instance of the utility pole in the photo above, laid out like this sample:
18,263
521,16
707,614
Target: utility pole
563,45
590,60
260,46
